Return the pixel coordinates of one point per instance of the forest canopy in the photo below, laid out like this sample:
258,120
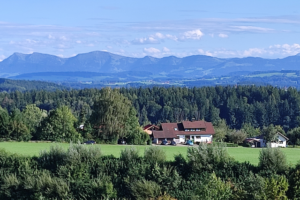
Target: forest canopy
241,107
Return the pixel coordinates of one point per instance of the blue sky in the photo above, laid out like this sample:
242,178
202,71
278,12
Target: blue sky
231,28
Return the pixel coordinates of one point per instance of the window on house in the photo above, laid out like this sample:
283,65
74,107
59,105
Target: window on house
192,129
175,129
197,129
198,137
280,142
186,129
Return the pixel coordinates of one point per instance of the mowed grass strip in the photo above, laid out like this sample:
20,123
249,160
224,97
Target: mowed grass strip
240,154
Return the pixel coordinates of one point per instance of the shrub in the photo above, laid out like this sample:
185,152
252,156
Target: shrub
214,188
143,189
207,157
155,154
294,182
252,186
272,160
129,154
276,187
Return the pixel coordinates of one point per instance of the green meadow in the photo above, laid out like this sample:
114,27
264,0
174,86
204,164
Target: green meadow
240,154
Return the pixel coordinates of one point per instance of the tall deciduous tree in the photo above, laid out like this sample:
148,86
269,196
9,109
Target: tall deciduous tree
237,136
269,133
221,130
59,126
110,113
32,116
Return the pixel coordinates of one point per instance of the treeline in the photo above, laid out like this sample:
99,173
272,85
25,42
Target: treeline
113,118
259,106
238,106
8,85
208,172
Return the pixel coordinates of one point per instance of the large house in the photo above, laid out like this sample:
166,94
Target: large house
259,141
198,131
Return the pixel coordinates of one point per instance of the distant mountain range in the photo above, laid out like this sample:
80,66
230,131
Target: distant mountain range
107,63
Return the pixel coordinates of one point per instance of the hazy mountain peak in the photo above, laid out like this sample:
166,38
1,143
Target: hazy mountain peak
106,62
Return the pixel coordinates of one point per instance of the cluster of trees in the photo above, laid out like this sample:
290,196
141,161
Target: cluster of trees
207,172
224,133
113,117
241,107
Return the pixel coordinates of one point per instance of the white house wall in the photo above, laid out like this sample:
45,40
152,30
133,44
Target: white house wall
181,138
274,144
204,138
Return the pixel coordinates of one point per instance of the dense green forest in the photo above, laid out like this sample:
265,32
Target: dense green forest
207,172
8,85
250,108
259,106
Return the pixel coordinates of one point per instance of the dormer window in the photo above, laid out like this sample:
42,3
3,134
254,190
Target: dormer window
192,129
186,129
176,129
197,129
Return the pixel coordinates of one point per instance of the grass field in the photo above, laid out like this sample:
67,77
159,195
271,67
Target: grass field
240,154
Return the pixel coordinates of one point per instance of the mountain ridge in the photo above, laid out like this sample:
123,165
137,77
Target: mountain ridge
194,66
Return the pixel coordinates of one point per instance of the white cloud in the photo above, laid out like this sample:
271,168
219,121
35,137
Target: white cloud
195,34
159,35
2,57
146,40
60,55
90,45
202,52
273,51
51,36
78,42
254,52
165,49
286,49
63,38
250,29
151,50
172,37
222,35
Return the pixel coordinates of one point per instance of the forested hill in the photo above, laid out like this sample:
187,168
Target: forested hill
258,106
22,85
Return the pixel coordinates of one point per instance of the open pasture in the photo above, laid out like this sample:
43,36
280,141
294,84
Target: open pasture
240,154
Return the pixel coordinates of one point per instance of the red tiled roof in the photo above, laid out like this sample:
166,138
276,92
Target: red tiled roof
194,124
169,126
164,134
150,126
168,130
147,126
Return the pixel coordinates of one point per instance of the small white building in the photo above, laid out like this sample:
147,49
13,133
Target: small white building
259,141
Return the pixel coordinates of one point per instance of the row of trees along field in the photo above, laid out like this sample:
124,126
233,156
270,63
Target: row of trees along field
243,107
113,117
207,172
